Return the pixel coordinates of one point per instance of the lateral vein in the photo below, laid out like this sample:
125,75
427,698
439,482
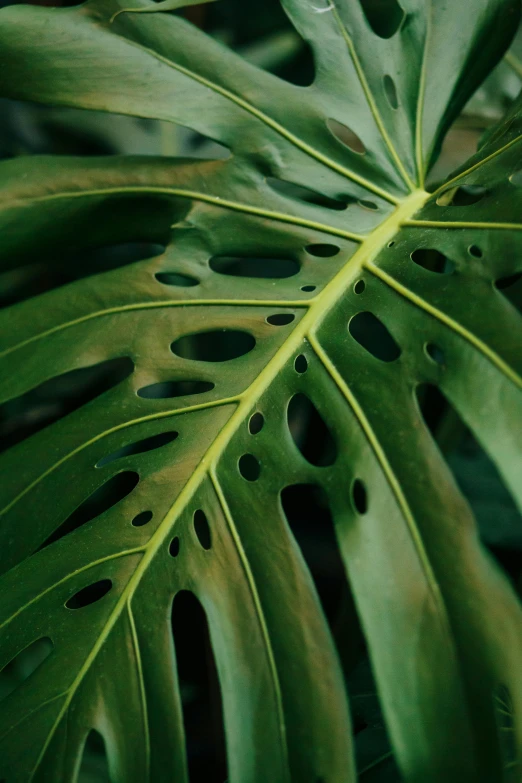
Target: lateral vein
488,352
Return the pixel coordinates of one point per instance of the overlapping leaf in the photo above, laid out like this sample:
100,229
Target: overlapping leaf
443,626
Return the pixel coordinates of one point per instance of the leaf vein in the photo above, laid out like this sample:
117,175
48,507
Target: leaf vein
488,352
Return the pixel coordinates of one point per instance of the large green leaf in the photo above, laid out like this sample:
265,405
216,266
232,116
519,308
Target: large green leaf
444,628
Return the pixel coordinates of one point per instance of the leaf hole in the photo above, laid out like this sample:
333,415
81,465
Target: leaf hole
101,500
498,518
256,423
202,529
310,432
249,467
139,447
385,17
390,90
323,250
167,390
308,288
391,244
366,204
511,288
433,261
174,547
200,691
308,515
301,193
94,765
346,136
280,319
463,196
435,353
432,405
372,335
23,665
475,251
54,399
359,496
359,287
142,519
176,279
516,178
220,345
478,478
89,595
508,282
268,268
301,364
205,147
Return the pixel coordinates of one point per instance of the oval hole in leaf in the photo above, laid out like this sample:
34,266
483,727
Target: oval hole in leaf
176,279
476,475
256,423
205,147
359,496
346,136
23,665
463,196
249,467
89,595
219,345
302,193
301,364
95,764
308,514
385,17
270,268
432,405
46,404
202,529
200,690
139,447
516,178
507,282
308,288
435,353
433,261
174,547
359,287
309,432
374,337
511,288
475,251
142,519
101,500
390,91
368,205
489,497
280,319
323,251
167,390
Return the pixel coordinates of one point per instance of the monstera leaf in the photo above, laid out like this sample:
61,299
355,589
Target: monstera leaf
228,393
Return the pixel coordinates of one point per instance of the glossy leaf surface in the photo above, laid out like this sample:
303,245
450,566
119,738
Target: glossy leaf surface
106,515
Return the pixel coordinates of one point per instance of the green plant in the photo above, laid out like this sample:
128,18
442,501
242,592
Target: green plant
392,295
